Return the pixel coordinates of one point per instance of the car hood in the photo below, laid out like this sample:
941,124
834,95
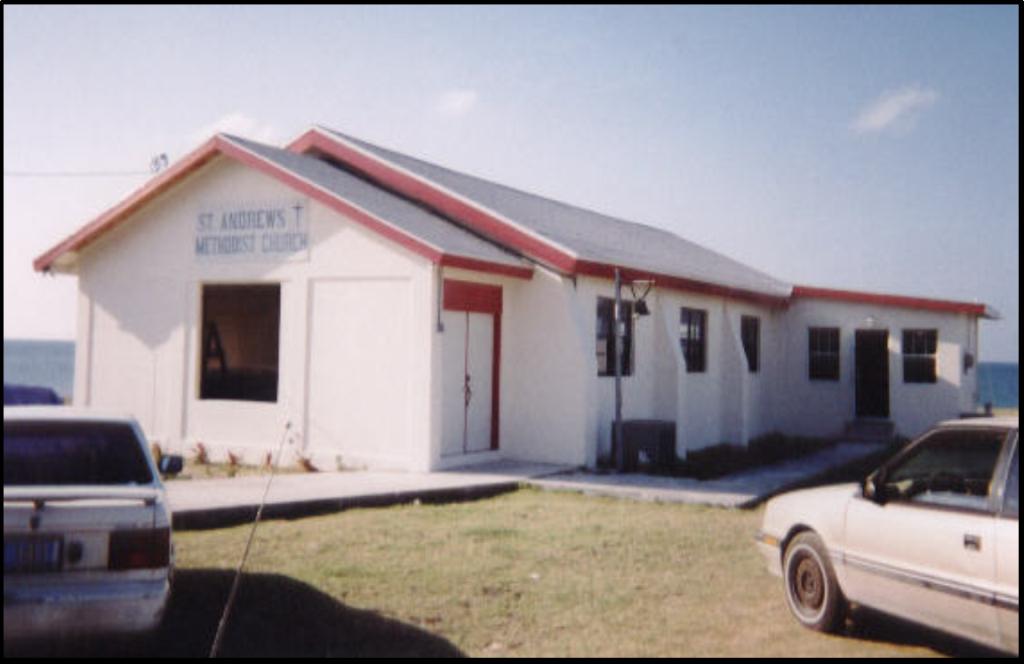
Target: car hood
822,510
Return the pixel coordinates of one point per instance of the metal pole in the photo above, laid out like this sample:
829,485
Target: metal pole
215,648
619,332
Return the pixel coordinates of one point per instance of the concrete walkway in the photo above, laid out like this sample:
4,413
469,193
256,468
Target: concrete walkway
740,490
222,502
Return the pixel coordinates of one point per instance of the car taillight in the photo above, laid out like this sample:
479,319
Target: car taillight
139,549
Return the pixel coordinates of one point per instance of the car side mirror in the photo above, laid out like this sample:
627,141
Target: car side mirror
171,464
873,488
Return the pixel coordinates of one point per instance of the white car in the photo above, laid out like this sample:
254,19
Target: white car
931,537
87,531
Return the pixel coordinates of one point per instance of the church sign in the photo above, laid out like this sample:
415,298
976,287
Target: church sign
277,231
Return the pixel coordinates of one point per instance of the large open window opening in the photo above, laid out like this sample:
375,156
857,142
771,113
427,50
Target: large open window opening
240,342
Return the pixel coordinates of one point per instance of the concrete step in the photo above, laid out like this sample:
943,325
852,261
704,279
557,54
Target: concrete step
870,431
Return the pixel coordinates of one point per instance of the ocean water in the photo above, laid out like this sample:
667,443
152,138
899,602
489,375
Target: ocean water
40,364
52,364
999,384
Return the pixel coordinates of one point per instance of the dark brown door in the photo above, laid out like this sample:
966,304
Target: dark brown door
872,373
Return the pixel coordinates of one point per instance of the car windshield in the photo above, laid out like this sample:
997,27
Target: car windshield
949,467
73,453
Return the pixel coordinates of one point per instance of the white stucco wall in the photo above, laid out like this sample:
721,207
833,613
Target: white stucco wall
824,407
729,404
544,352
725,403
360,366
140,307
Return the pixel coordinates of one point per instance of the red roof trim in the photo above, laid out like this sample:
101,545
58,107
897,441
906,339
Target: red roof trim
502,231
115,215
220,146
465,263
471,296
330,200
947,306
593,269
432,195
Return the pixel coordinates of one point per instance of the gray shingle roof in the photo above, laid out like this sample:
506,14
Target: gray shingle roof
589,235
409,217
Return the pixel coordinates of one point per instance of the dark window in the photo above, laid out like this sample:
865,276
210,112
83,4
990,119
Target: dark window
606,337
750,332
1011,498
693,328
823,355
72,453
951,468
240,344
919,355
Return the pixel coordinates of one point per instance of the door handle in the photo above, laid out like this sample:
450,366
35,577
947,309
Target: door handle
972,542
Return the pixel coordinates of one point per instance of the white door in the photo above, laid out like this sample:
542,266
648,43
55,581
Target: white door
479,365
467,354
453,382
920,563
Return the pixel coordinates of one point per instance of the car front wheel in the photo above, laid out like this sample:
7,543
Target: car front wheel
812,591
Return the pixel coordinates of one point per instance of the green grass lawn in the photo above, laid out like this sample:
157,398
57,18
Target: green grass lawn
527,574
530,573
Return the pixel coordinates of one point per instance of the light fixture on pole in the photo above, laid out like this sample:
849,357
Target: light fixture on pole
619,330
640,307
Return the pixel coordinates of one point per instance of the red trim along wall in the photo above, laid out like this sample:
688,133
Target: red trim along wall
486,299
430,195
318,143
946,306
678,283
477,265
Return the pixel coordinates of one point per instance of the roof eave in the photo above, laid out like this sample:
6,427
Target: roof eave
673,282
57,257
63,257
897,301
488,223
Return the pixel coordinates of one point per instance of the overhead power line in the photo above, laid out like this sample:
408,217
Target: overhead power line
72,174
156,164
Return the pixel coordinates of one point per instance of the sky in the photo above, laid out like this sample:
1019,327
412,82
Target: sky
863,148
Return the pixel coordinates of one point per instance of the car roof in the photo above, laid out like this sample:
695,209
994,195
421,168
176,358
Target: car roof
1008,422
63,413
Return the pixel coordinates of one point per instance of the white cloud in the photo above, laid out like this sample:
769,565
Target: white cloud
894,108
456,103
239,125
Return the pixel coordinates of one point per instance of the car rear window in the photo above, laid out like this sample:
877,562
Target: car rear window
73,453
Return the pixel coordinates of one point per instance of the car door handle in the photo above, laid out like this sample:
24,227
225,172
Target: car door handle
972,542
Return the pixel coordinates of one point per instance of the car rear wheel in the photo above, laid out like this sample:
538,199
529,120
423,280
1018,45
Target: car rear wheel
812,592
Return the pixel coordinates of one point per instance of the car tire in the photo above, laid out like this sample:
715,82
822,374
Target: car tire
812,592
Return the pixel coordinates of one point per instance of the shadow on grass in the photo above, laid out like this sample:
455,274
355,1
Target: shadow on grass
869,625
854,471
273,616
